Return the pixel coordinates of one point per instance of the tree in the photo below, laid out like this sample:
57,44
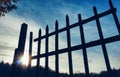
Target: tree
6,6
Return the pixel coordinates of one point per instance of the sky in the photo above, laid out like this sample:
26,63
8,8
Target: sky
39,13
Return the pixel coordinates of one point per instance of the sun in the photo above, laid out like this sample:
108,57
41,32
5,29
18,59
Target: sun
24,60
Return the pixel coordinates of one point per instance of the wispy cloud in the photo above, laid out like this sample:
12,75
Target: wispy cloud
4,55
9,32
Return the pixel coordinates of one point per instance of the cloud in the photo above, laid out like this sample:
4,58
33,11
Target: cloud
9,32
11,23
4,55
5,46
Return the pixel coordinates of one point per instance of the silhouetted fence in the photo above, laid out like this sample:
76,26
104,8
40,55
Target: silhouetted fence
102,41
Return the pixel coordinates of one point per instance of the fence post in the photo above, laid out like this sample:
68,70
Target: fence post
69,47
30,48
30,54
20,50
38,53
84,48
115,16
56,50
46,51
101,38
21,44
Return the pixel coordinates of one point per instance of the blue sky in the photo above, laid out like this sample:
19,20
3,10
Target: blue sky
39,13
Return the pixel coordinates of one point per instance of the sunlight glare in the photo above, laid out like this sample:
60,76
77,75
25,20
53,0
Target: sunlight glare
24,60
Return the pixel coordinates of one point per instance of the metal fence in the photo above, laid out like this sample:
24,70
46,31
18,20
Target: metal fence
69,49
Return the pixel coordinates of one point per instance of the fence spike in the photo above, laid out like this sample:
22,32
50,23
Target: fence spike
111,4
24,24
47,29
95,10
79,18
67,20
40,32
56,24
67,15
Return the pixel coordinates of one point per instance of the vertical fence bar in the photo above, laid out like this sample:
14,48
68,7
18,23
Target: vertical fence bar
38,53
30,54
46,51
56,50
101,38
69,47
30,48
84,48
115,16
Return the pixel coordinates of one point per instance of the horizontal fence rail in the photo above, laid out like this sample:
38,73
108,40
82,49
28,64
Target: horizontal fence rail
78,47
69,49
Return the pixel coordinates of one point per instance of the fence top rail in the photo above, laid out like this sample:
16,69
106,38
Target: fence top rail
84,21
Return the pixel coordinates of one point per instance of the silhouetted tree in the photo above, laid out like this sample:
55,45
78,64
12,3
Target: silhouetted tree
6,6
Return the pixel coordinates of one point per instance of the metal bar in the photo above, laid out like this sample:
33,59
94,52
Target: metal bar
56,50
69,46
102,44
30,48
30,54
83,48
38,53
46,51
87,45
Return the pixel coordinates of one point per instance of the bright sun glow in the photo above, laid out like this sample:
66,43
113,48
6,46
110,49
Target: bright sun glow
25,60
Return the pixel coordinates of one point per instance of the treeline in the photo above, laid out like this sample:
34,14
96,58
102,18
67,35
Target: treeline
7,70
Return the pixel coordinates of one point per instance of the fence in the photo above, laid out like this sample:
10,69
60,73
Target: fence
102,41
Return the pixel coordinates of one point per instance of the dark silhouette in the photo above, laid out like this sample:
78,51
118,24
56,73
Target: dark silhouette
84,48
5,71
102,42
17,70
21,45
19,51
56,49
6,6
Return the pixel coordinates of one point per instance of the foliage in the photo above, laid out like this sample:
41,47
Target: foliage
6,6
6,71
